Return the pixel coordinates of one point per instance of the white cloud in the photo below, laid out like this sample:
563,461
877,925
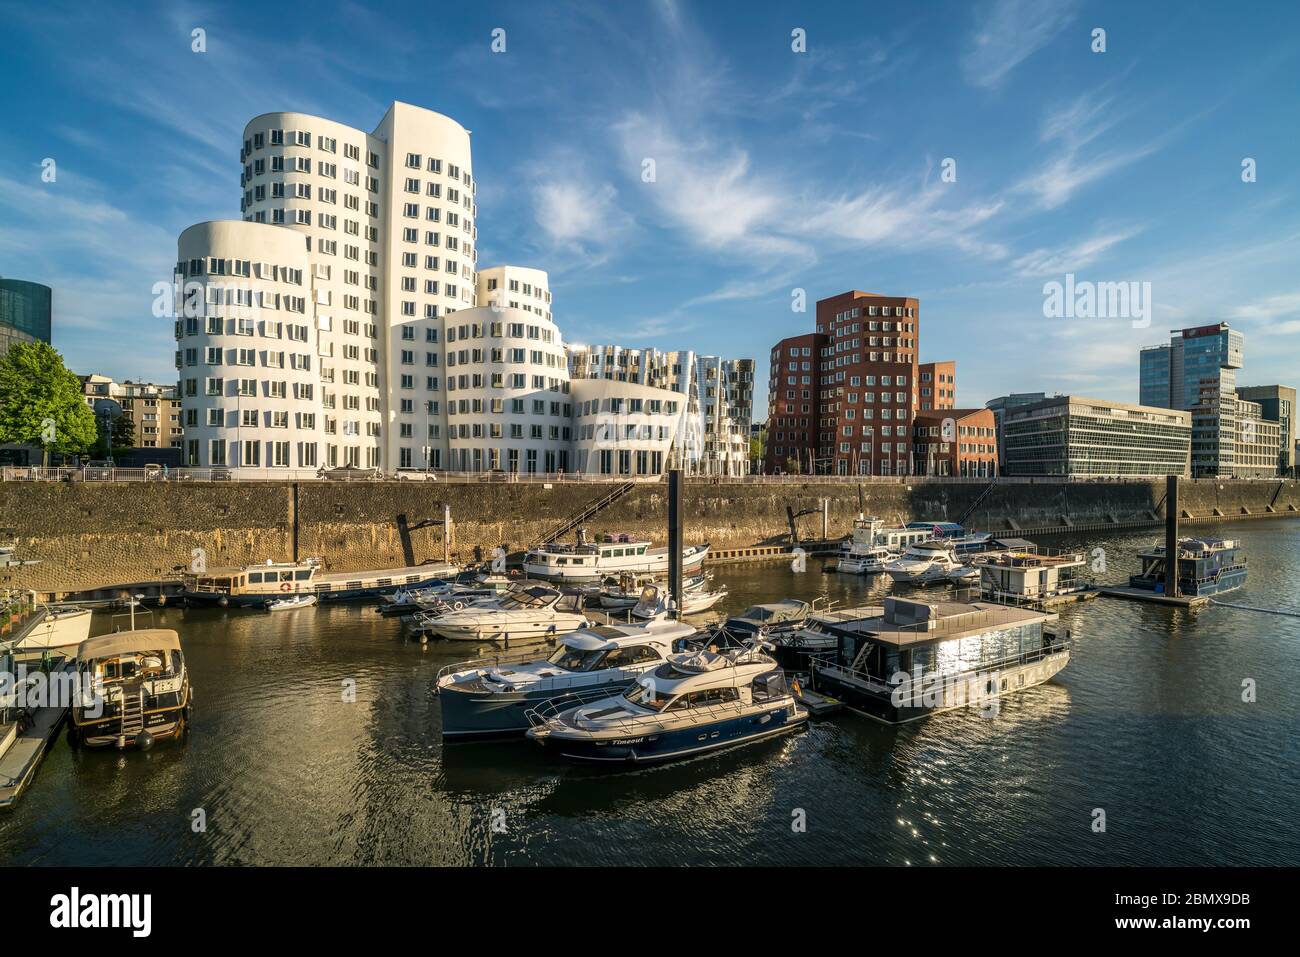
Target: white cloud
1072,258
1010,31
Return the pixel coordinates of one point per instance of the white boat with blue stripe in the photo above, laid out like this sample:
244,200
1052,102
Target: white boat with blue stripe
692,704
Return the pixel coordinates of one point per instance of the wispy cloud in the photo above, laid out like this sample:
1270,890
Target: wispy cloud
1077,256
1009,32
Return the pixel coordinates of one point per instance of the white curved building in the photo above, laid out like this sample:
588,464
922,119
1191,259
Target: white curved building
508,402
345,322
248,348
387,222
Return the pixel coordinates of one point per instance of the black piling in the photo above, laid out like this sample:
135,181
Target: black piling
1171,535
675,538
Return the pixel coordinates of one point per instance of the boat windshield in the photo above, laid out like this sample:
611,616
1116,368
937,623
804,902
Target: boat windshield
647,696
572,659
533,598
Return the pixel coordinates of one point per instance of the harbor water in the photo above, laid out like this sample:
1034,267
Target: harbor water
1170,739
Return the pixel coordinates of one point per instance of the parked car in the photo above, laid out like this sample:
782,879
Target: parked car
99,470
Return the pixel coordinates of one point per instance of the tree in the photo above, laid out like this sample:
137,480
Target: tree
121,431
41,401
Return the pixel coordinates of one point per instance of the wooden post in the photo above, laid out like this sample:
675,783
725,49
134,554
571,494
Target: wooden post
1171,536
675,539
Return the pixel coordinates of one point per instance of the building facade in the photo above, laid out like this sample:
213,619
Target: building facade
955,442
793,390
1073,436
999,407
25,312
715,394
353,248
1277,404
154,410
938,386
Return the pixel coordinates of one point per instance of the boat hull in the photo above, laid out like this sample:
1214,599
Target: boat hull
506,632
648,564
165,721
468,715
65,630
678,743
259,599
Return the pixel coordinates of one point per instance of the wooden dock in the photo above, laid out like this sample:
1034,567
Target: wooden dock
818,705
21,752
1151,597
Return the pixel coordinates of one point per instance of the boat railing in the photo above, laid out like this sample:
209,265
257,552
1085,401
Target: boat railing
924,678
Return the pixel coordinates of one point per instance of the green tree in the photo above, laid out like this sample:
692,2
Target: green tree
122,432
41,401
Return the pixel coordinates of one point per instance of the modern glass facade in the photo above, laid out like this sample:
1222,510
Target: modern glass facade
1071,436
24,312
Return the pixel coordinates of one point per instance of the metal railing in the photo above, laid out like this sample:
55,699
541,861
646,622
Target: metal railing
928,679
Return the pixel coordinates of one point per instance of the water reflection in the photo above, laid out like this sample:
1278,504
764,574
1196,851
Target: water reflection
1147,722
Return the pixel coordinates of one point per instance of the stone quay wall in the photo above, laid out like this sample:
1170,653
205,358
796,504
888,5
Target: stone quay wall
88,536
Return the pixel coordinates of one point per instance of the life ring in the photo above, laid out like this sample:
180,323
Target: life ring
286,586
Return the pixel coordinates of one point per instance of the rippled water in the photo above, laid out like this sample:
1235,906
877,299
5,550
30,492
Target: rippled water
1146,723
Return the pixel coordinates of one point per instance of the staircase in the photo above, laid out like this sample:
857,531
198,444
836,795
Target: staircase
984,493
586,513
132,718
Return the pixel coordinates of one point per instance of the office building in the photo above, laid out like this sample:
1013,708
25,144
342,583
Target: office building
1277,404
955,442
25,314
154,410
999,406
1073,436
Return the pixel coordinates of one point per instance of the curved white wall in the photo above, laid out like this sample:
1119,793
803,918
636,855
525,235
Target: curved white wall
247,348
508,402
622,428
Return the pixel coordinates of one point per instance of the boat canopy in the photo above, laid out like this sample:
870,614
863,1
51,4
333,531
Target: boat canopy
127,642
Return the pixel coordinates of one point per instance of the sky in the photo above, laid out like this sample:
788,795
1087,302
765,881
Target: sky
965,154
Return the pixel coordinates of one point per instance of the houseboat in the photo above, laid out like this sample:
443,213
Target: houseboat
1021,577
920,658
529,613
610,557
959,538
135,689
694,703
488,697
1206,566
924,563
255,585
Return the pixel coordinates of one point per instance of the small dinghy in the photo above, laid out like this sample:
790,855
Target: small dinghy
288,604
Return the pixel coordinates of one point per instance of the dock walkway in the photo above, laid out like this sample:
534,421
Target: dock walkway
21,752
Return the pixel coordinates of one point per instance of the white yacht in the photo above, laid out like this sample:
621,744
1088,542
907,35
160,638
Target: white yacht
923,563
654,602
61,628
532,613
873,544
490,696
611,556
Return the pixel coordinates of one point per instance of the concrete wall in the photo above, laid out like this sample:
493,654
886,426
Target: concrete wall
95,535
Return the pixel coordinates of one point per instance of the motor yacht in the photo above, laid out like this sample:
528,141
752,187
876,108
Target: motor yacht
489,696
923,563
694,703
529,613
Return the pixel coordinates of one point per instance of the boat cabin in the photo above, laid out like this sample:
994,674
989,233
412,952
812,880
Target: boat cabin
1206,566
1030,576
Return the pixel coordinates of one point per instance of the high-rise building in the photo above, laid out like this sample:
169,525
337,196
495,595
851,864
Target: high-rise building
1277,404
793,423
1196,372
24,312
353,249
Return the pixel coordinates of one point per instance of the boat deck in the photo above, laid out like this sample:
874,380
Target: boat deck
21,754
1144,594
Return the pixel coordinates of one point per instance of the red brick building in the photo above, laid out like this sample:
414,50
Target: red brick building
955,442
792,417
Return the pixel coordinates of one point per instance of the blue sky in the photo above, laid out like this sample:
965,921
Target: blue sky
774,170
